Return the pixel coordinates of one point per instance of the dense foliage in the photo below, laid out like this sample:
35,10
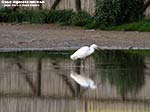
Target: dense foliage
116,12
104,21
35,16
67,17
81,18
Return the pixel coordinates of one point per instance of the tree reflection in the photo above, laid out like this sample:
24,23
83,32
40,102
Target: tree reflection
123,70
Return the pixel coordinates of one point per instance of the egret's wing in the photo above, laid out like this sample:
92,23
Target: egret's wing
81,53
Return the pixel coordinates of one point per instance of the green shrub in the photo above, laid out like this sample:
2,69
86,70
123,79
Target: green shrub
35,16
23,15
104,18
116,12
67,17
59,16
16,16
81,18
4,14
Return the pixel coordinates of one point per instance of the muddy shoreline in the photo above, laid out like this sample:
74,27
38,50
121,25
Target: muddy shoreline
16,37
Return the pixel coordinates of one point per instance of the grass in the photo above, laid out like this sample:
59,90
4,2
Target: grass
143,26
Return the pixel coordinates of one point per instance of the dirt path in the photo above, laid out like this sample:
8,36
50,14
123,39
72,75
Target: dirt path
64,37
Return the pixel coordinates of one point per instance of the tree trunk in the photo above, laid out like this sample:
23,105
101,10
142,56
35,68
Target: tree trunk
78,5
146,5
55,4
40,5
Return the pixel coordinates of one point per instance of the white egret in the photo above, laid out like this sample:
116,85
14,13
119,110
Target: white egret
83,80
83,52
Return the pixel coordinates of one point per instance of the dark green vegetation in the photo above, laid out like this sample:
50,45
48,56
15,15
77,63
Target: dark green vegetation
65,17
125,15
116,12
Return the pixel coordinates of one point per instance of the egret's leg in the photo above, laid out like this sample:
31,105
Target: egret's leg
74,63
77,67
83,61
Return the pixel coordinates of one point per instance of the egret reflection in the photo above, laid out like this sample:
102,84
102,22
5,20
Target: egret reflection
83,81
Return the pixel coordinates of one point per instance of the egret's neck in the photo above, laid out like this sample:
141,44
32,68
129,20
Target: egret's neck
91,50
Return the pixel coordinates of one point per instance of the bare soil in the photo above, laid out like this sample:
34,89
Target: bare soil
57,37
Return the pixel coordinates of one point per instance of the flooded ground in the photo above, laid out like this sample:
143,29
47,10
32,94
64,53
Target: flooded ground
41,82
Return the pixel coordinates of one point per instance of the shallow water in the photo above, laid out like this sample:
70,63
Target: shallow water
33,82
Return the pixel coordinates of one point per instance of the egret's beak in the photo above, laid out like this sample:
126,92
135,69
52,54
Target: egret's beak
98,48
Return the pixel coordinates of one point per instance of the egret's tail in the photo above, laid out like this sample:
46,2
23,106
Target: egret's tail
72,75
72,57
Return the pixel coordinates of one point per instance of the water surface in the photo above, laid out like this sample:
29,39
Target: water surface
41,82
